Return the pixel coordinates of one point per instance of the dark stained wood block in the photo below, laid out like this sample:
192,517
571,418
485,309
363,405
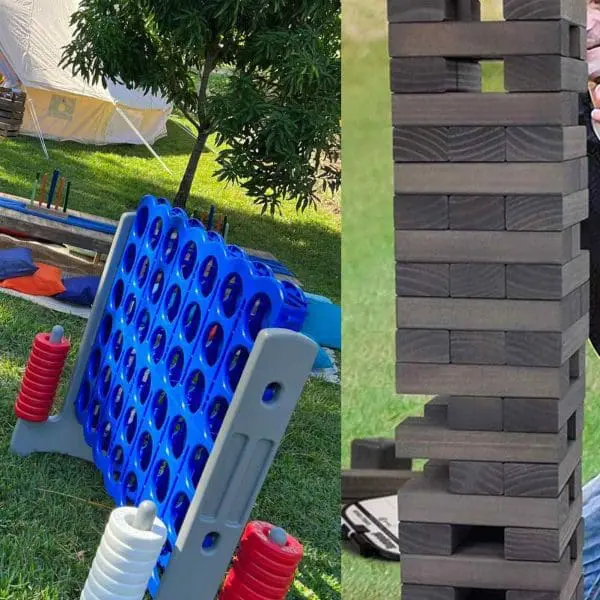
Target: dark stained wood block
430,538
484,39
547,282
360,484
472,280
432,592
476,144
436,470
537,144
478,347
468,10
423,345
414,279
434,74
573,589
544,74
572,11
554,108
420,144
491,178
585,298
421,212
545,213
475,413
477,212
421,10
577,362
436,410
377,453
475,478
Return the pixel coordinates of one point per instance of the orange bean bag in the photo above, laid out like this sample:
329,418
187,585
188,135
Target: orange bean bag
46,281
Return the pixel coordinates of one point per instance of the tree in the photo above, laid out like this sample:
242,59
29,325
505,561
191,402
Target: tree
276,107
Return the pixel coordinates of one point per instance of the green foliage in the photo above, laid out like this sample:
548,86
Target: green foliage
276,112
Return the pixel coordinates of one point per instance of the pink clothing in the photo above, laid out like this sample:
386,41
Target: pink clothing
593,41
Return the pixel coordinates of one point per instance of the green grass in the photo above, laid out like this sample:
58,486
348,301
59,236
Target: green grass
53,509
370,406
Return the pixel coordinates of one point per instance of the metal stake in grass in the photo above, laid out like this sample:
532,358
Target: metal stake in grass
67,194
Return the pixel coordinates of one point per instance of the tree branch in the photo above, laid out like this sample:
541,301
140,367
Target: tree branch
210,62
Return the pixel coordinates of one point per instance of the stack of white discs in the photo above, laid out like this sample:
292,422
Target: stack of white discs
127,555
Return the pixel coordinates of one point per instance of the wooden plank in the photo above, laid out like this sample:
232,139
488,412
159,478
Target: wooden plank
572,590
472,280
484,314
421,212
503,247
475,478
360,484
539,144
476,212
545,213
423,345
436,470
542,415
545,281
544,74
572,11
432,592
477,347
478,380
377,453
436,410
480,39
491,178
421,10
577,362
420,144
475,413
434,74
554,108
422,279
476,144
417,438
438,539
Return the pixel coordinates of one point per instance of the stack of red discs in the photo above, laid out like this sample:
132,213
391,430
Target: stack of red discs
41,379
262,569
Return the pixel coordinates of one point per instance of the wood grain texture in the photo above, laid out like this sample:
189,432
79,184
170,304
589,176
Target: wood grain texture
421,212
421,144
422,279
491,178
572,11
436,410
421,10
436,470
438,539
572,590
545,281
545,213
434,74
432,592
538,144
475,413
377,453
544,74
476,212
371,483
557,108
417,438
472,280
479,380
423,345
484,39
476,144
478,347
477,478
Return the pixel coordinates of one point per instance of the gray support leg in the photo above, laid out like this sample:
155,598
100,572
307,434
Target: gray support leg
63,433
238,464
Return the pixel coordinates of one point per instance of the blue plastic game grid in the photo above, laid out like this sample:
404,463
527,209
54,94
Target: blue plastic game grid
180,322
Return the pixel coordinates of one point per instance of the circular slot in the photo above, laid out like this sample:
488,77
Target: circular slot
258,314
116,402
144,383
130,306
130,424
189,254
158,343
145,450
162,476
194,390
231,294
155,231
213,342
129,258
141,221
117,293
143,325
191,321
178,436
181,504
236,364
117,345
197,463
216,414
175,364
170,246
157,285
159,409
173,302
208,275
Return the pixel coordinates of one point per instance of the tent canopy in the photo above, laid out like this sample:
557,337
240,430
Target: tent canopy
33,34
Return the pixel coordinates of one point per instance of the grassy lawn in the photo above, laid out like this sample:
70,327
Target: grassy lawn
370,406
53,509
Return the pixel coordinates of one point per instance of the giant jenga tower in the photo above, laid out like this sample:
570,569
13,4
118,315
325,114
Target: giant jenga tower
492,296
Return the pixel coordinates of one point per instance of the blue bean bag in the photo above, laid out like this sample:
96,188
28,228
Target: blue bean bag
16,262
80,290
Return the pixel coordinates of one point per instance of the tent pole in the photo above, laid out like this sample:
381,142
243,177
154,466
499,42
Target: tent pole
37,125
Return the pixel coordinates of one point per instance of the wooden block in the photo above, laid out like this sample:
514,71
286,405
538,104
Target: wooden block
422,279
482,314
377,453
545,281
421,10
572,11
479,380
421,212
585,298
552,144
417,438
423,345
471,280
360,484
436,470
475,413
468,10
555,108
545,213
432,592
490,178
430,538
476,144
478,347
477,478
504,247
420,144
436,410
544,349
476,212
434,74
572,590
577,363
483,39
544,74
542,415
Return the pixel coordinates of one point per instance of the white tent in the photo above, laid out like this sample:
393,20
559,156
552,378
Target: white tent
32,36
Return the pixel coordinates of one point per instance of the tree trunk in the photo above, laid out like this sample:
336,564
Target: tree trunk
185,186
